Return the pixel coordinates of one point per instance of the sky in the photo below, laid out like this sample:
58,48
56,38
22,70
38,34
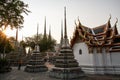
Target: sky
91,13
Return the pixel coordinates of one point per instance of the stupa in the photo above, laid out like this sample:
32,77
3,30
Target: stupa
36,63
18,54
66,67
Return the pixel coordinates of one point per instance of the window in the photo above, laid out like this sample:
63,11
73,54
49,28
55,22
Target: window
80,51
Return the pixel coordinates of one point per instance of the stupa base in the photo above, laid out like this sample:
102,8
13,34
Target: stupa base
34,69
66,73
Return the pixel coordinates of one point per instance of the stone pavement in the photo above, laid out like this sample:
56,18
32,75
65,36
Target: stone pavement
16,74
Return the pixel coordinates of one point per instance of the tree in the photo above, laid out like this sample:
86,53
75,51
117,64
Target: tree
44,43
5,45
11,13
30,41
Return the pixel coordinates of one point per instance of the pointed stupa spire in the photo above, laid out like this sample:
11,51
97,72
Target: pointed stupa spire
65,42
61,41
22,37
36,43
16,34
65,25
16,42
62,30
37,32
49,33
45,36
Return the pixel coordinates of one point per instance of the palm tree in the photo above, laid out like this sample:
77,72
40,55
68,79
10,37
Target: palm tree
11,13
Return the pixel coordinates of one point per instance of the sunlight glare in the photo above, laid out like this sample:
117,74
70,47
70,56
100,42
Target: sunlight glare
9,32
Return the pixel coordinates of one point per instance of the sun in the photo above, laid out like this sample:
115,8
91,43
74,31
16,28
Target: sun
9,33
4,31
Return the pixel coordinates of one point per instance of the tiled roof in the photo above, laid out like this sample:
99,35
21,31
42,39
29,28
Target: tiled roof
103,35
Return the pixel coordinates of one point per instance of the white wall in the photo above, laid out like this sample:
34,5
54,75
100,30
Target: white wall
97,59
115,58
85,58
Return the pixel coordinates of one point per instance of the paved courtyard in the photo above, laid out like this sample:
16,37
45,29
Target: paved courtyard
16,74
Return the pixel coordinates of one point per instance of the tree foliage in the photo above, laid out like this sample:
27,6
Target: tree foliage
11,13
44,43
5,44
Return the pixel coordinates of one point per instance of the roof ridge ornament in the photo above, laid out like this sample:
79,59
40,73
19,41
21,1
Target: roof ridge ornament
75,23
109,17
108,23
79,23
116,21
115,27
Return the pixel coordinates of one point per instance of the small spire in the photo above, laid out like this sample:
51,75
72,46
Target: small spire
22,37
45,28
61,29
61,41
49,33
16,42
36,43
37,32
16,34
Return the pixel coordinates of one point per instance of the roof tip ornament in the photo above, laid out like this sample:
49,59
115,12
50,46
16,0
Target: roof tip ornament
109,17
75,23
116,21
115,26
79,23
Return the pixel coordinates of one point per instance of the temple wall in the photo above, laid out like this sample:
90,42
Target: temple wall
84,58
108,58
115,58
97,63
115,61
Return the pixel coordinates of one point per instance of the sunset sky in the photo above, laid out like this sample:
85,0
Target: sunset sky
91,13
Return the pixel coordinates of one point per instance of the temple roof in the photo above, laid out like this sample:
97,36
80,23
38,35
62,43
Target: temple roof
102,36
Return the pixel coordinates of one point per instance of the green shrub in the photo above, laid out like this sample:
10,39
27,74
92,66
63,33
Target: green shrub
4,65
